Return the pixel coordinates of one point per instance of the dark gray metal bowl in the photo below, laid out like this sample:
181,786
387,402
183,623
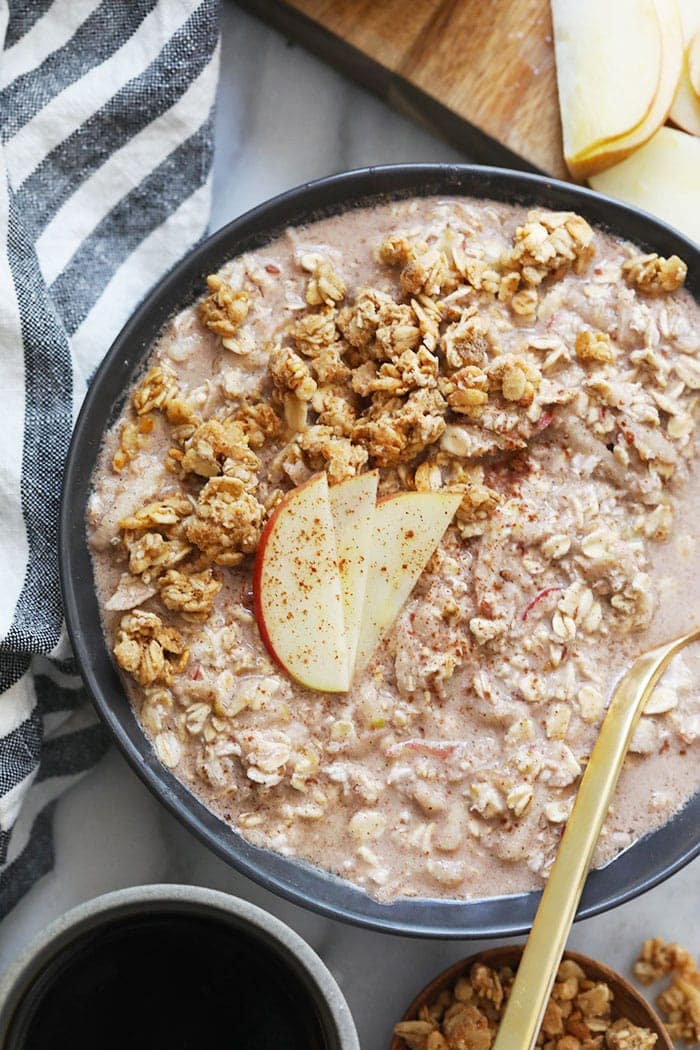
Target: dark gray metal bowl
640,867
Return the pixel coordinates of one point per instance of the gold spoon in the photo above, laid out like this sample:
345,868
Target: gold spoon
562,893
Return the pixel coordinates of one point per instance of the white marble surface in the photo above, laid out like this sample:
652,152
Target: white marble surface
283,118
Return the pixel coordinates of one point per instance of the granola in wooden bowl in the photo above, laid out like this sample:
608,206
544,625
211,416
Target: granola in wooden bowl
591,1008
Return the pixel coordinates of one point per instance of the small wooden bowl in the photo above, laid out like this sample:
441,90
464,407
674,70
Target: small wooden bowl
627,1001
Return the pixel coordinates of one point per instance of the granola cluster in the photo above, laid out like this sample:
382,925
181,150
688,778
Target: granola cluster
679,1002
653,274
148,649
224,310
580,1015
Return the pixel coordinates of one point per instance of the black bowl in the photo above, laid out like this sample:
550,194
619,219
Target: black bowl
638,868
113,966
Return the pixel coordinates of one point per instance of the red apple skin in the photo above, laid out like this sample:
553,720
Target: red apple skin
258,567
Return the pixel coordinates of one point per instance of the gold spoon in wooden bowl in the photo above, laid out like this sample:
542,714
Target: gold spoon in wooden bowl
545,945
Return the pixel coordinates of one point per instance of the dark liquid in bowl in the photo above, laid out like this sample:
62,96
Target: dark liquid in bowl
166,981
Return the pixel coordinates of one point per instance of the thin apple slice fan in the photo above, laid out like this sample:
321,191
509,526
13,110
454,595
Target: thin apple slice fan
334,569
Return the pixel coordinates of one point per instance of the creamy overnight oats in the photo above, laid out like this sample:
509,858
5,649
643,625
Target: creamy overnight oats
545,371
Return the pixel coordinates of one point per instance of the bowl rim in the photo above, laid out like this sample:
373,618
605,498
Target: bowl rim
288,946
641,866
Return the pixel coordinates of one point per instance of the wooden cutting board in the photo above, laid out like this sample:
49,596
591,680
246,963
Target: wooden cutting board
481,72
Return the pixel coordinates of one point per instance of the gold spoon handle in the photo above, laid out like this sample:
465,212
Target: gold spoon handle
562,893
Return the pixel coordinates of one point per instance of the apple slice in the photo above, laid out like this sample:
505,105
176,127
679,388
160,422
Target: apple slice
685,111
605,154
661,177
353,508
407,528
297,590
694,62
608,58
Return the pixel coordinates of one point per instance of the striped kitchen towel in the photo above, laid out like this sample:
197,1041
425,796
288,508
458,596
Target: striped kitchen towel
105,156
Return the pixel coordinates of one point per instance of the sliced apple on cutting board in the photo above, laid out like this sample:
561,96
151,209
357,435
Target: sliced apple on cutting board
663,177
694,62
612,151
608,58
685,111
353,508
407,528
297,590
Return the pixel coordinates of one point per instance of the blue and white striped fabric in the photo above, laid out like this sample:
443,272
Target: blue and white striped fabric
105,157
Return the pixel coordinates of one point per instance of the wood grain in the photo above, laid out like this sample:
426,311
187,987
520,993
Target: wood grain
479,71
627,1001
